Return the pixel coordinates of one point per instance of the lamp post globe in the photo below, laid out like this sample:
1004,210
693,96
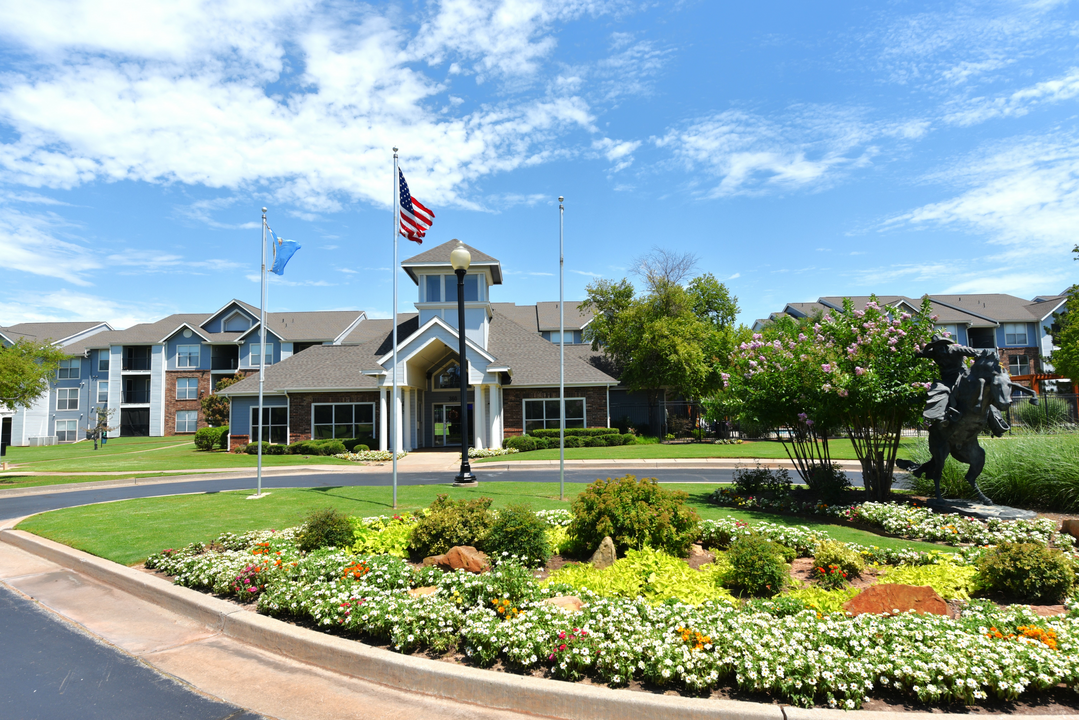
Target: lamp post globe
460,259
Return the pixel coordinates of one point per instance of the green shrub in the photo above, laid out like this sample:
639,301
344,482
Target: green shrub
630,439
615,440
950,581
755,481
1031,470
519,531
1026,572
520,443
451,522
573,441
780,606
360,444
208,438
1050,412
576,432
317,447
326,528
832,552
379,537
267,449
829,482
821,600
595,441
635,513
757,566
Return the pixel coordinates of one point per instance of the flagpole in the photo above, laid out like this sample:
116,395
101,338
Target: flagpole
262,352
393,399
561,356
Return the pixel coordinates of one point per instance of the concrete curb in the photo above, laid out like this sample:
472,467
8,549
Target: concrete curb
503,691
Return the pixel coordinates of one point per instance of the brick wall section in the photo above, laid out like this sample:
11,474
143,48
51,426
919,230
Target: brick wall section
1033,358
595,405
172,405
299,420
236,440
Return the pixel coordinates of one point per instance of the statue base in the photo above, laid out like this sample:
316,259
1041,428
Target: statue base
971,508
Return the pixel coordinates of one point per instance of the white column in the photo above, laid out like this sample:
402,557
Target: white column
407,419
477,406
496,416
398,436
383,421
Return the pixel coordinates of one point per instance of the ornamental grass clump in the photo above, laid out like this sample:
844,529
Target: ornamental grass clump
326,528
518,531
757,566
1027,572
451,522
634,513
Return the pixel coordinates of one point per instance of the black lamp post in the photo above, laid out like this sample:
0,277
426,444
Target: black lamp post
460,259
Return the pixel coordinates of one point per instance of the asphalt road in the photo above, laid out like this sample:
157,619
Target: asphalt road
51,670
29,504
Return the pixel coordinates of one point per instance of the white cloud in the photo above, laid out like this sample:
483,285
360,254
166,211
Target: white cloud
619,152
1023,284
35,243
218,102
1023,196
750,154
201,211
735,276
143,261
587,274
1017,103
66,306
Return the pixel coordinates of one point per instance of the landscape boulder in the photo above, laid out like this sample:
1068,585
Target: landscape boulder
460,557
571,603
1070,527
698,556
887,599
422,591
604,556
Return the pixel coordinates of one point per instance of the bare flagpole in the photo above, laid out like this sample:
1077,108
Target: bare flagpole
561,356
262,352
393,399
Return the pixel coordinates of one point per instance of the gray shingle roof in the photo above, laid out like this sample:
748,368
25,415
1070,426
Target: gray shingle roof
322,367
440,255
141,334
523,315
1001,308
533,360
53,331
574,318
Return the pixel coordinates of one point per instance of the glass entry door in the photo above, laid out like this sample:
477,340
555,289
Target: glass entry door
447,424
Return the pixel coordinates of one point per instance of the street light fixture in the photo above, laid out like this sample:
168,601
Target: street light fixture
460,259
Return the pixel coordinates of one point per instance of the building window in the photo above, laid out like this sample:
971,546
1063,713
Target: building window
187,388
66,430
274,424
543,413
434,288
351,420
255,354
1015,333
187,356
187,421
67,399
568,334
1019,365
103,362
136,358
102,392
69,369
472,288
449,379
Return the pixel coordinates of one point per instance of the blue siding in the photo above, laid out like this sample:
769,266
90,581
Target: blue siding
171,350
240,422
245,349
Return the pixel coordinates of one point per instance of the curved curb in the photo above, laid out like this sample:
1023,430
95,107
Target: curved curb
461,683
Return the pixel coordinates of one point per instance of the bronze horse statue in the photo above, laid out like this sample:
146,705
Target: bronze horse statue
962,404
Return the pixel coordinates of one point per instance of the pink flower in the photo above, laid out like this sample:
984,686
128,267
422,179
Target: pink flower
826,367
842,392
859,370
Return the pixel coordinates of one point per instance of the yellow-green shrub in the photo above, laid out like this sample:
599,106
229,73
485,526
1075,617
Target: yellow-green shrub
950,581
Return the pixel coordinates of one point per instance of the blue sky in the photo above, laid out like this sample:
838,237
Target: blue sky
798,149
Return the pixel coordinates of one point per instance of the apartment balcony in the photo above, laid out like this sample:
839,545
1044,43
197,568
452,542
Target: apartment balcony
138,397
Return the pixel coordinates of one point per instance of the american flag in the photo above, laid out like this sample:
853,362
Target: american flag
415,218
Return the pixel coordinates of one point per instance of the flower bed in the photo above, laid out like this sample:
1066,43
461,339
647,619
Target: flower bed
490,452
370,456
647,632
908,521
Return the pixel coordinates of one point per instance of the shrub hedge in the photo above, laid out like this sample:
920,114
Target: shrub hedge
757,566
317,447
451,522
578,432
326,528
1027,572
208,438
267,449
519,531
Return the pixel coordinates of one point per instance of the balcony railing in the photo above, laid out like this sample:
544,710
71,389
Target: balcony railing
224,363
135,397
136,363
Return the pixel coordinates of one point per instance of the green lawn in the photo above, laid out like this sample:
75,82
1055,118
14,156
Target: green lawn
128,531
841,449
144,454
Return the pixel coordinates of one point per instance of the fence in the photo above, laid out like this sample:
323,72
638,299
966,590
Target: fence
686,420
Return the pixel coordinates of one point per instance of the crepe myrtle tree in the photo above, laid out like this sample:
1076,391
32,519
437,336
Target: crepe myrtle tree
25,371
856,370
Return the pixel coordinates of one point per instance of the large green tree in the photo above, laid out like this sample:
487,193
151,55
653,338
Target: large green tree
670,337
1066,357
25,371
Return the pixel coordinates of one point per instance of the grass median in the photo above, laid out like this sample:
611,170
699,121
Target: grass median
127,532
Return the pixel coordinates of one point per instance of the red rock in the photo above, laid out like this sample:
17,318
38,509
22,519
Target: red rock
422,591
460,557
566,602
885,599
1071,527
